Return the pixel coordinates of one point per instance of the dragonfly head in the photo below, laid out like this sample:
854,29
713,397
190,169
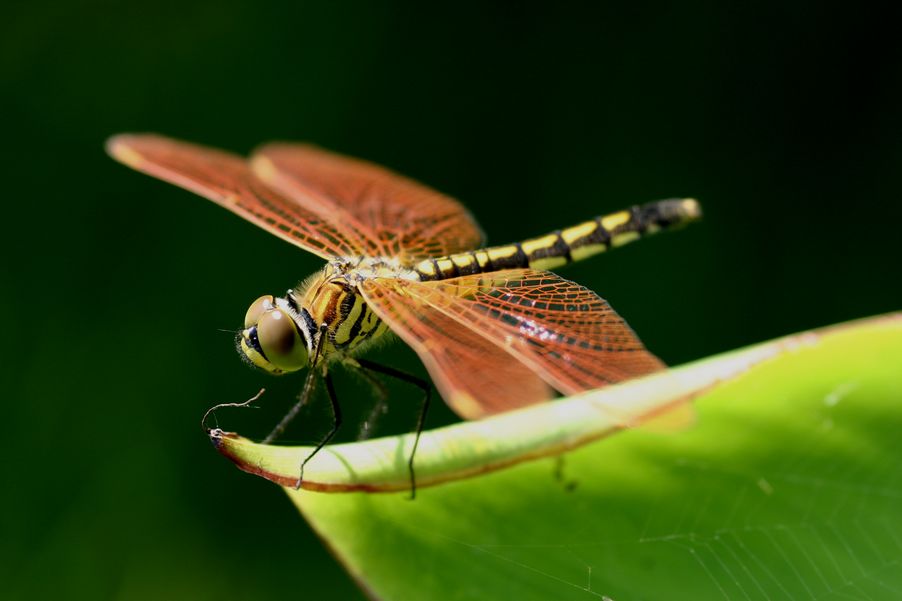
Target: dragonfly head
274,338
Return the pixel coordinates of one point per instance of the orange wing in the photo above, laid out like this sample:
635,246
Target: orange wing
475,376
533,321
227,180
407,220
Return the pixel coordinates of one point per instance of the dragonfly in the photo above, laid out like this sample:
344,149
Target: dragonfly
495,329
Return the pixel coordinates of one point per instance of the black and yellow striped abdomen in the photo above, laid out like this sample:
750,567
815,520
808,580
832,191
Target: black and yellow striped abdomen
567,245
331,303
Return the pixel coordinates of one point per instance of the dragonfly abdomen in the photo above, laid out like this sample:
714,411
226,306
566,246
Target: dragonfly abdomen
560,247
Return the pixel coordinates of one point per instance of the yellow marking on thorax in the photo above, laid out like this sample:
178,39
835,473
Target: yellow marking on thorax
343,330
323,302
331,299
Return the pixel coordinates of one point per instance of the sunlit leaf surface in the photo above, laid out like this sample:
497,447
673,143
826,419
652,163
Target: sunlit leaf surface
787,485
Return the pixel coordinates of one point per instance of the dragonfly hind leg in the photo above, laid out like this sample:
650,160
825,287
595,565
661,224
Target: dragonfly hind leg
303,399
423,385
381,393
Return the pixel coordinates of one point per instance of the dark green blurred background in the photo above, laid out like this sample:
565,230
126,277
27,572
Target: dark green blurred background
784,120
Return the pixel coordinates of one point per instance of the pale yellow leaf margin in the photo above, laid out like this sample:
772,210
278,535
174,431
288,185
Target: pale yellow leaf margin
471,448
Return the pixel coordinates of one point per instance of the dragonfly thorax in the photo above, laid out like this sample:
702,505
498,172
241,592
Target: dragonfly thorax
333,301
324,316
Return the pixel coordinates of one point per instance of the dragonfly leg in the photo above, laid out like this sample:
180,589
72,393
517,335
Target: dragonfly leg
303,399
421,419
381,392
336,424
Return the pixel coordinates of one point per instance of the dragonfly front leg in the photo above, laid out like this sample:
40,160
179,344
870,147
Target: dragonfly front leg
336,424
303,399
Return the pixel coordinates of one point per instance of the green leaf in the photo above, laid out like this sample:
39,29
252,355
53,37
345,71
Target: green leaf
787,485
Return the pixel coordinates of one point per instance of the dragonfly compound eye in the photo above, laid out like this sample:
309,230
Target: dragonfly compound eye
280,341
257,308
